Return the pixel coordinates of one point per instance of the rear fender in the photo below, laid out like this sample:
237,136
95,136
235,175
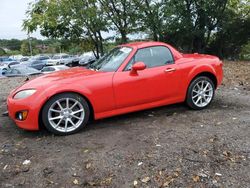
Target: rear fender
200,69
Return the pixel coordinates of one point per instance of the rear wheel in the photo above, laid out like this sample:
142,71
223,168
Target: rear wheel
65,114
200,93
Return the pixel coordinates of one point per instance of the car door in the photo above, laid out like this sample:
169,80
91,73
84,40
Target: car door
158,82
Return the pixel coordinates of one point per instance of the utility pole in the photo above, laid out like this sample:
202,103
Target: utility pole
29,38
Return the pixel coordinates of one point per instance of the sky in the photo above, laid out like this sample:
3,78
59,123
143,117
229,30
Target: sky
12,13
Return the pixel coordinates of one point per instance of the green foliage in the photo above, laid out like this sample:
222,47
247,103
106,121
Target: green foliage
122,16
232,31
245,52
68,19
50,46
13,44
218,27
25,48
152,16
13,52
2,52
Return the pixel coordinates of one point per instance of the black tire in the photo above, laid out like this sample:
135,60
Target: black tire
71,96
190,102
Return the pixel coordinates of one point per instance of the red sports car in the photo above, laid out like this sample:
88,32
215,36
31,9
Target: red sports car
131,77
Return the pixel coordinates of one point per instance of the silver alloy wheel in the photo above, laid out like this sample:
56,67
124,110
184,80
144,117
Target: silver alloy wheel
66,114
202,93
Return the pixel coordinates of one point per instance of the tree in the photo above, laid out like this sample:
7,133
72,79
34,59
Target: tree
2,52
69,19
216,26
192,21
12,44
152,16
233,31
121,15
25,48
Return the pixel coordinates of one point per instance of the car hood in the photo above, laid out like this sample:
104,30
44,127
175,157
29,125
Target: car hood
67,76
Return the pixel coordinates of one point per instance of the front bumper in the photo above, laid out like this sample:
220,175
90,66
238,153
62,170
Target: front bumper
32,120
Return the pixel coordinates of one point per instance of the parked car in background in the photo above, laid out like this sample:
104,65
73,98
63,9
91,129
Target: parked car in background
49,69
37,62
58,59
5,65
20,71
7,61
11,63
17,57
71,61
87,58
24,58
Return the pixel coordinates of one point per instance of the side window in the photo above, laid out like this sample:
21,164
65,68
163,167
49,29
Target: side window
152,57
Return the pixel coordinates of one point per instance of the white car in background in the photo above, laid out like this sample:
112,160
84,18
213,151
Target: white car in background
70,61
58,59
50,69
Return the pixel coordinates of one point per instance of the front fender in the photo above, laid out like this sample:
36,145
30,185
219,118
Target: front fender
63,88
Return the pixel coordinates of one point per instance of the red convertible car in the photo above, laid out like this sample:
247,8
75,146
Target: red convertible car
131,77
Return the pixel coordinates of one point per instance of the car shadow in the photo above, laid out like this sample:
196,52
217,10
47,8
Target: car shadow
135,116
126,119
115,121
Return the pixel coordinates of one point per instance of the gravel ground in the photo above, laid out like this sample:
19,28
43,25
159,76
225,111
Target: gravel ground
170,146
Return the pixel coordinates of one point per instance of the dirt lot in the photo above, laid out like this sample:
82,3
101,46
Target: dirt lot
168,146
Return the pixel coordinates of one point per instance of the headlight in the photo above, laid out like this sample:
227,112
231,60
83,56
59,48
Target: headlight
24,93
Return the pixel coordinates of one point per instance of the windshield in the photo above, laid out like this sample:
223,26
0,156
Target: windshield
112,61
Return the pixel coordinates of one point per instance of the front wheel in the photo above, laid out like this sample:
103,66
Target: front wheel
200,93
65,114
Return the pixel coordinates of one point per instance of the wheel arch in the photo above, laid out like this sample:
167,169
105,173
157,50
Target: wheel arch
209,75
205,73
91,108
201,69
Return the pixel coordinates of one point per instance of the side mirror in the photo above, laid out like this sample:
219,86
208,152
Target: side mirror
137,67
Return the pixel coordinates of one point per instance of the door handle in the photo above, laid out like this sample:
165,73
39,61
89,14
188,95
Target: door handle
170,70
